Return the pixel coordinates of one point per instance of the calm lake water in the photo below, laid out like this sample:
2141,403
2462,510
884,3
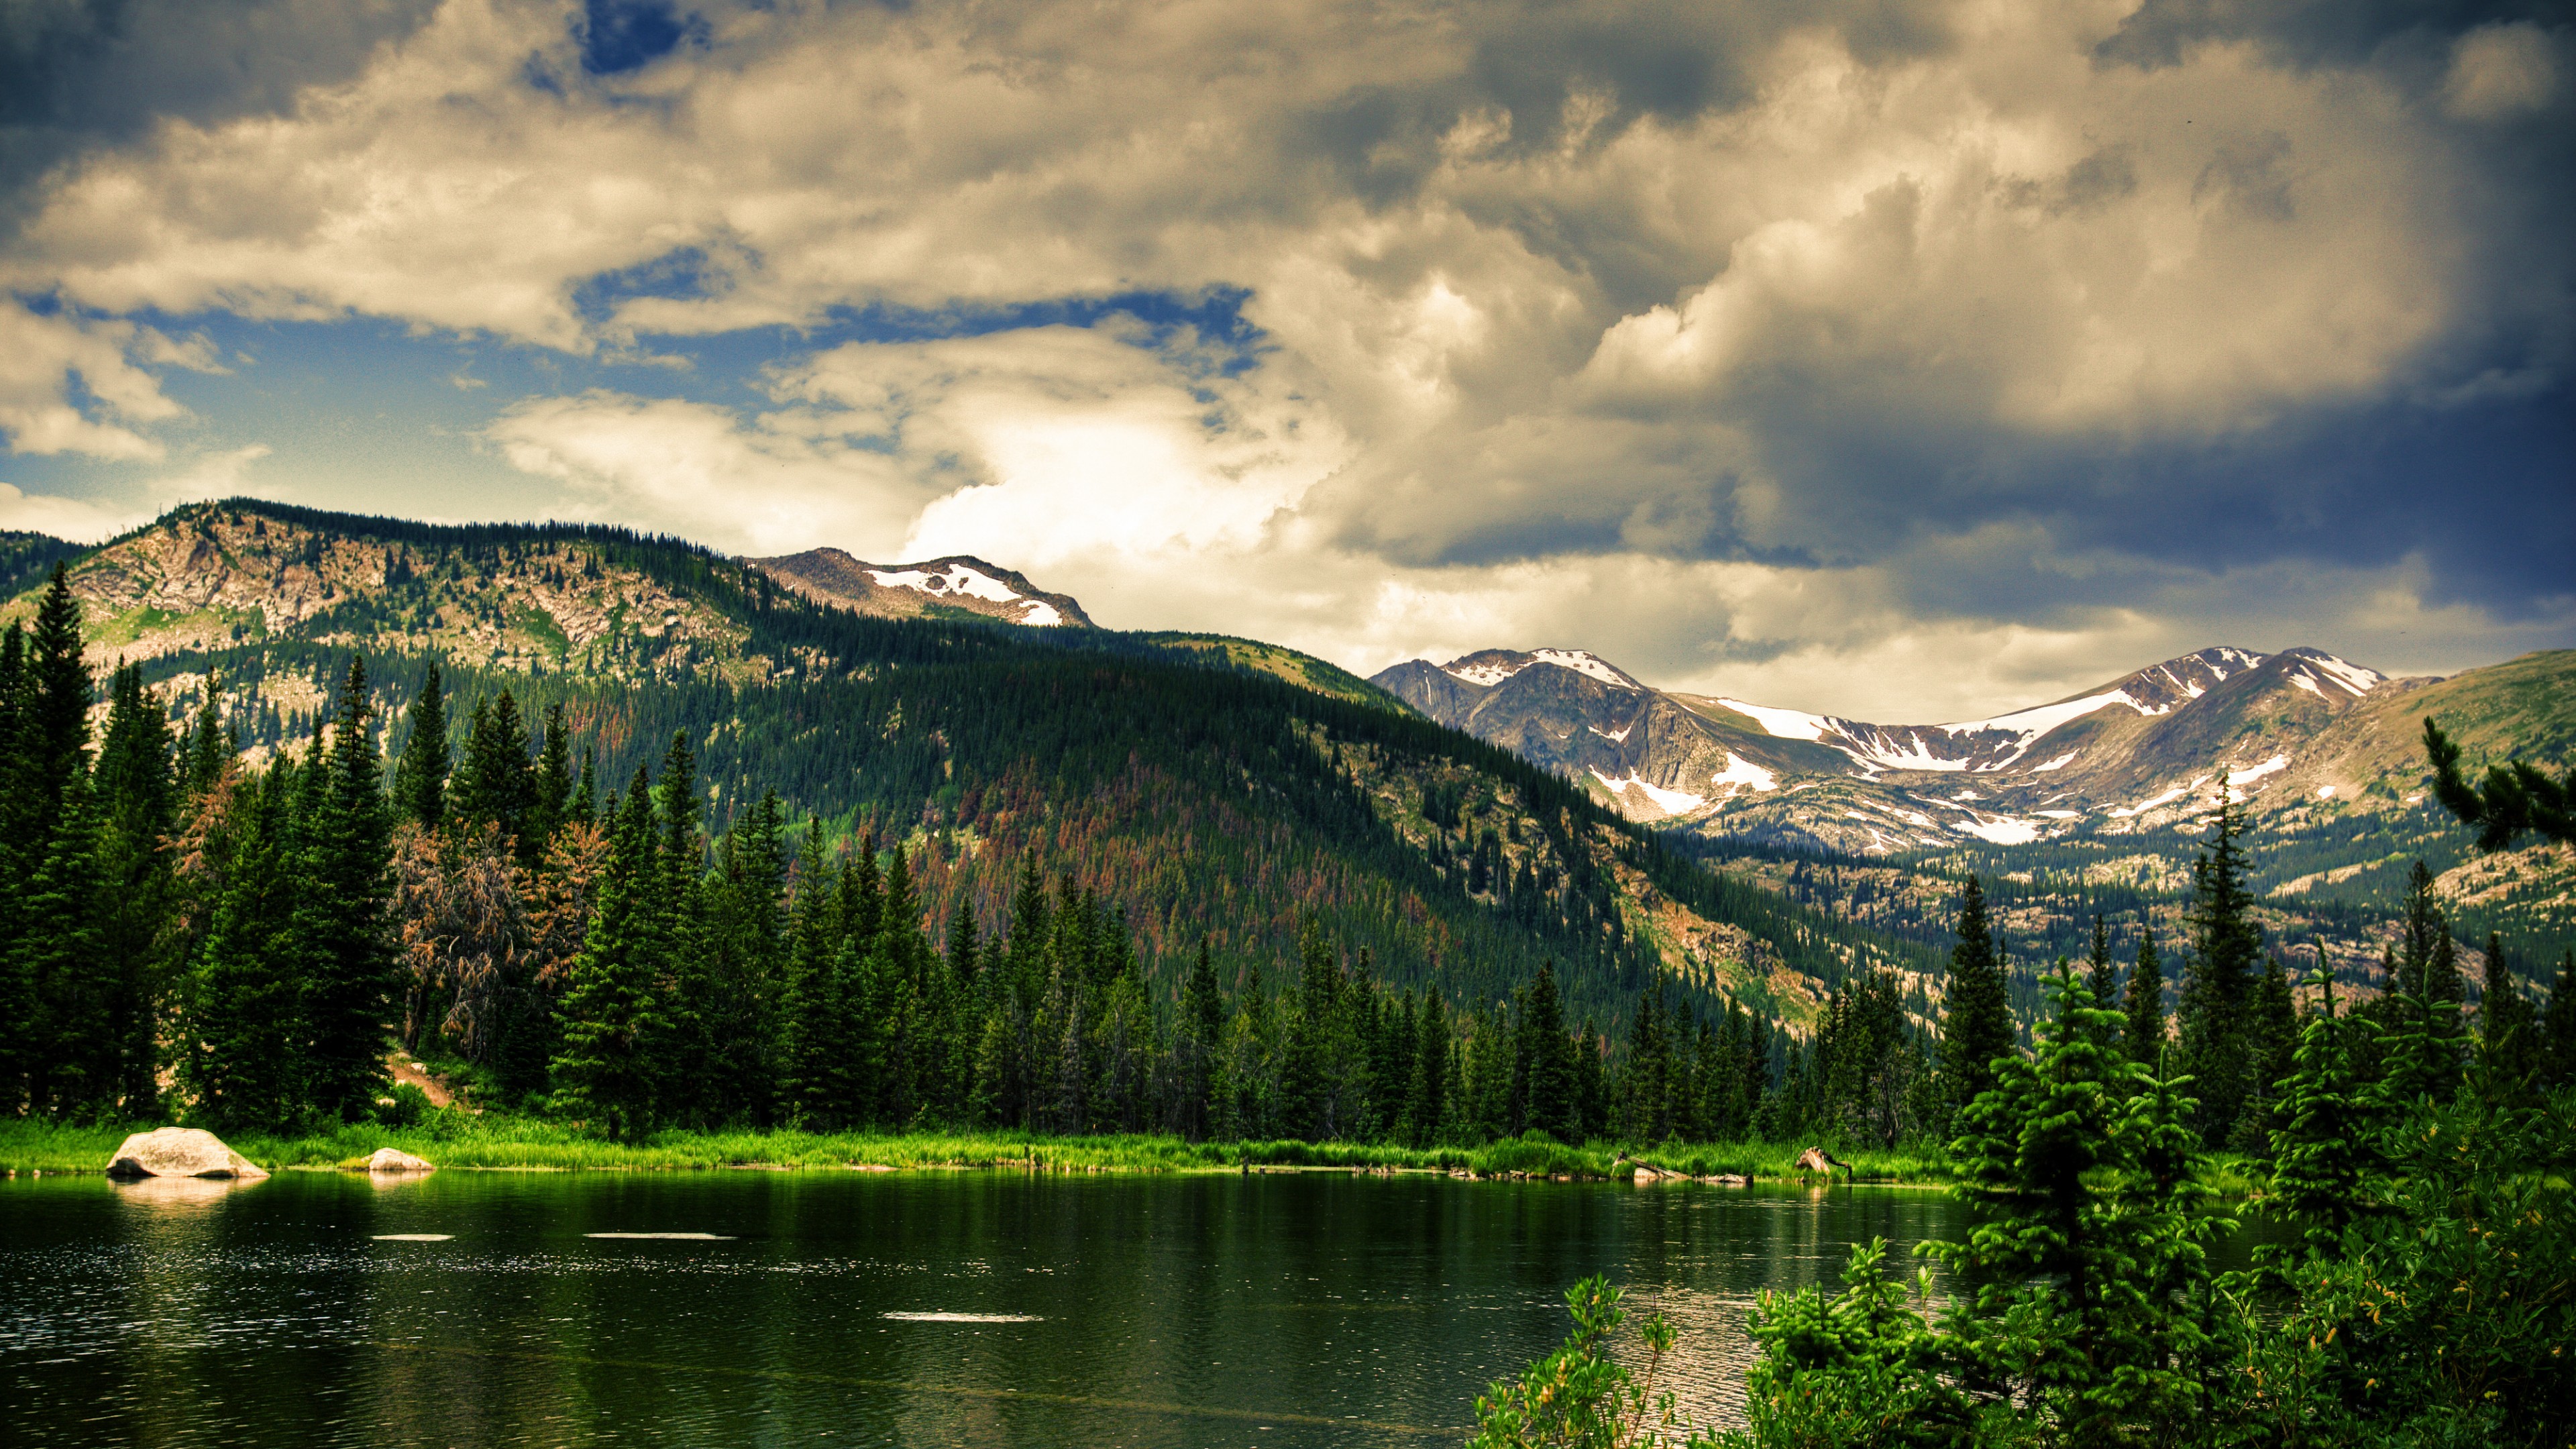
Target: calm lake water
850,1308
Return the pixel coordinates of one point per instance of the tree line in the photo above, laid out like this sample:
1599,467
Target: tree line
245,943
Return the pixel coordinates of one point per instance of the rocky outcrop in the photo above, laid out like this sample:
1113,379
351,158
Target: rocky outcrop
180,1152
394,1159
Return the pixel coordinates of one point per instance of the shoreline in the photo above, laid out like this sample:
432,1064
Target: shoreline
526,1145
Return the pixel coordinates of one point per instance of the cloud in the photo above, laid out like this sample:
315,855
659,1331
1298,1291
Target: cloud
1741,335
71,384
220,474
2500,72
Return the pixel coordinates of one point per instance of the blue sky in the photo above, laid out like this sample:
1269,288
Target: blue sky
1901,360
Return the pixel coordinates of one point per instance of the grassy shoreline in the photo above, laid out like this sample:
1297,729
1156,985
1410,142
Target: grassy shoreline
509,1143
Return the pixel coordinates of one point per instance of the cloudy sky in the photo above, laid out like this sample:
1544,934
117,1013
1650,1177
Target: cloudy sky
1903,358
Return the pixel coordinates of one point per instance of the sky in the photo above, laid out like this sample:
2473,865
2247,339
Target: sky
1900,359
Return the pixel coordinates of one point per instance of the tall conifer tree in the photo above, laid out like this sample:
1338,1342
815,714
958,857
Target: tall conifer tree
420,776
348,969
2219,976
2144,1005
604,1073
1976,1026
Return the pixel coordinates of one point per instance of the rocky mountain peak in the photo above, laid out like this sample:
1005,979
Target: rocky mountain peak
940,587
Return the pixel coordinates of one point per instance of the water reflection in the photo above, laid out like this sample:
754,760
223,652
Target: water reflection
177,1194
911,1309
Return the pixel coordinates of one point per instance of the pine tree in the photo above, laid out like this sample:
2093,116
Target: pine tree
604,1074
682,1049
348,971
48,938
137,804
420,777
2144,1006
746,944
2516,796
1976,1026
2272,1039
2219,976
1552,1105
2508,1033
2083,1283
2323,1160
2427,985
240,1022
2104,972
2558,1024
1432,1053
497,783
17,977
552,806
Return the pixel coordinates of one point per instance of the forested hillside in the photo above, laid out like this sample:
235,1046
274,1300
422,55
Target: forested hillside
1209,787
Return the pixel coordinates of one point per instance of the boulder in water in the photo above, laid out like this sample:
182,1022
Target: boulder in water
394,1159
180,1152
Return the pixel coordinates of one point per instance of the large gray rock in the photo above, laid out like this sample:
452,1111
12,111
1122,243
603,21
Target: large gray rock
180,1152
394,1159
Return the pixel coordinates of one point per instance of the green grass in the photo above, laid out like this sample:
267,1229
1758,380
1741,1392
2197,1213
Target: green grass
456,1139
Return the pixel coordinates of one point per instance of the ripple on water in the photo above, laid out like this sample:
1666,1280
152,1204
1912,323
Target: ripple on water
668,1237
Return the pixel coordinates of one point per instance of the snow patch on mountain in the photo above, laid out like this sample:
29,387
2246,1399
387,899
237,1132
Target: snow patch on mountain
1041,615
2248,776
1783,724
2056,764
2004,831
2341,672
1488,675
2152,801
954,579
1741,773
2030,724
1584,663
1671,802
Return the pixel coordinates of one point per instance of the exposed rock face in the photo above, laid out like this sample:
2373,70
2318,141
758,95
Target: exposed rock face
180,1152
951,586
394,1159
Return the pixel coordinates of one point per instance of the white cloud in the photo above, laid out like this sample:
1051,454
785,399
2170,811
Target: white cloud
45,358
222,474
77,519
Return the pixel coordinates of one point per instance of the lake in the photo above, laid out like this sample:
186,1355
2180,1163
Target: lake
936,1308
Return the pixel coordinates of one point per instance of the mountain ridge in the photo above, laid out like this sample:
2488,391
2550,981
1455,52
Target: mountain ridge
1223,789
954,583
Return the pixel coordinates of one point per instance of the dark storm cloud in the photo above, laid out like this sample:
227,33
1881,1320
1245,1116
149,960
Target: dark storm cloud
2312,32
78,74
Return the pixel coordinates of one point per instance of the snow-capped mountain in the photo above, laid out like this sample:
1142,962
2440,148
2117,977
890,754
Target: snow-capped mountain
957,584
2137,753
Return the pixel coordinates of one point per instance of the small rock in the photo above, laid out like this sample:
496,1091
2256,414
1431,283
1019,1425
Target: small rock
394,1159
180,1152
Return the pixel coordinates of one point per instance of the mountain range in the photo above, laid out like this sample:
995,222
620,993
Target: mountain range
1462,823
2113,782
1216,789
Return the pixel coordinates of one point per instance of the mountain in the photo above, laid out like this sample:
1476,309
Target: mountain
1218,790
957,586
2326,754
